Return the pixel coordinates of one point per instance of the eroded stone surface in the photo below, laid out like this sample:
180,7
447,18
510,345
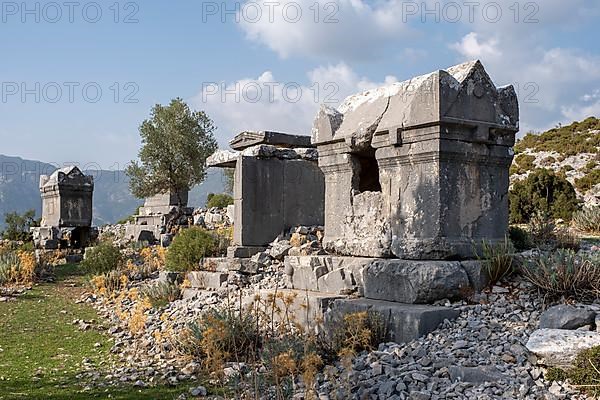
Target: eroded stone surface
559,347
414,282
418,169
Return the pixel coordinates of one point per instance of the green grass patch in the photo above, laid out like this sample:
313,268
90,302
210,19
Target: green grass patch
42,351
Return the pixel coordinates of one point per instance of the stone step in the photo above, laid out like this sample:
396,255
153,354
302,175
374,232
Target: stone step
404,322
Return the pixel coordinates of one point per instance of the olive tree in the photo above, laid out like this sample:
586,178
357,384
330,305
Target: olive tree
176,141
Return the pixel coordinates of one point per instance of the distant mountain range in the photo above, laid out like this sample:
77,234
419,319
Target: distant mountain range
19,190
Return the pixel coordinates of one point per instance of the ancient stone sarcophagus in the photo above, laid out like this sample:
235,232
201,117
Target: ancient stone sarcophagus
418,169
67,198
66,210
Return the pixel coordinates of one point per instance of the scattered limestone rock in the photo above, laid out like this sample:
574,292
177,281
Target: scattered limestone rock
566,317
559,347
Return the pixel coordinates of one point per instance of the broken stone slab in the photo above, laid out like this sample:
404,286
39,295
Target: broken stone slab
206,279
414,282
310,272
326,123
404,322
227,264
477,375
170,277
307,308
560,347
261,259
338,281
268,151
564,316
223,159
252,138
280,249
244,251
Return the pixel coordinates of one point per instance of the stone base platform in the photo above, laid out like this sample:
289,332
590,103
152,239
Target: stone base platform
320,312
402,281
404,322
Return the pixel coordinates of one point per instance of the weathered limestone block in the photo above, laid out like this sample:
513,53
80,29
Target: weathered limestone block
337,281
250,138
414,282
327,274
206,279
170,277
419,169
405,322
244,251
559,347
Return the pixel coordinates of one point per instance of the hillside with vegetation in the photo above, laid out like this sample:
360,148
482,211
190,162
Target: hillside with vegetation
572,151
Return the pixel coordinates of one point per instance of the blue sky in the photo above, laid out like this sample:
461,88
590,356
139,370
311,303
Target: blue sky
273,62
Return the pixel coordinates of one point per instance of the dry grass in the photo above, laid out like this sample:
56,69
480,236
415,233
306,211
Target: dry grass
565,273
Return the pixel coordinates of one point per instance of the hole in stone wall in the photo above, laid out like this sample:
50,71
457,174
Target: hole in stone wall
367,172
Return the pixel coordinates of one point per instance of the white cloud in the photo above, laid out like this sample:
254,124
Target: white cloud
266,103
551,81
578,113
347,29
472,47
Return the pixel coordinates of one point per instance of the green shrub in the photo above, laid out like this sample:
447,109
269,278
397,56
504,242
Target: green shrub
17,226
103,258
162,293
220,336
542,227
588,219
8,261
542,191
218,200
498,259
189,247
524,163
566,140
566,168
520,238
565,273
556,374
590,180
585,372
